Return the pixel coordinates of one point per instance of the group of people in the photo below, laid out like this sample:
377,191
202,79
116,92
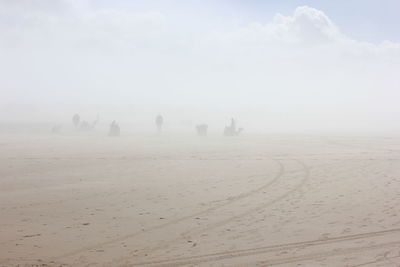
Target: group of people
114,130
83,125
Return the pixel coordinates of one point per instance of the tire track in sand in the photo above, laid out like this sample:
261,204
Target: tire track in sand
273,248
209,227
306,170
231,200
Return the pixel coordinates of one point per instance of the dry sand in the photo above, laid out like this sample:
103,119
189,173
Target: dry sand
180,200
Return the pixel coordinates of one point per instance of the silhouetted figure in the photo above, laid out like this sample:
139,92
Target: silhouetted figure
114,129
202,129
94,123
76,119
56,129
159,123
233,125
231,130
85,126
117,130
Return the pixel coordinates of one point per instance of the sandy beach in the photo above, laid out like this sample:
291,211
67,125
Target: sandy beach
182,200
204,133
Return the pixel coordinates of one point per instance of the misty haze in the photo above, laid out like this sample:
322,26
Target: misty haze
199,133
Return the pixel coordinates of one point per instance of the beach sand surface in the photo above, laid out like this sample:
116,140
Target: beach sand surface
182,200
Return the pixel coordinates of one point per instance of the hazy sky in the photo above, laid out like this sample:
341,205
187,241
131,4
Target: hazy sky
312,64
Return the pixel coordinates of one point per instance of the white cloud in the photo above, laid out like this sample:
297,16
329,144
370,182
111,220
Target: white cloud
306,26
309,25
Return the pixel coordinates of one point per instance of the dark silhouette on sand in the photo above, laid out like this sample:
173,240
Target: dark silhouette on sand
83,125
202,129
76,119
56,129
94,123
114,129
159,123
231,129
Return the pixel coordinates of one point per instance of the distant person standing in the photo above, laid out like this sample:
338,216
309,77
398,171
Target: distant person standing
159,122
117,130
114,129
76,119
231,130
233,125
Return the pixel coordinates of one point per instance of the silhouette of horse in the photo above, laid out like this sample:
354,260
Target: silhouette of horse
202,129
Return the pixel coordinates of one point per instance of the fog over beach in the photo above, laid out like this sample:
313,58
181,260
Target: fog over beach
131,59
199,133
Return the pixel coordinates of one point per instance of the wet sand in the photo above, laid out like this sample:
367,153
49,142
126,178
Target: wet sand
252,200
